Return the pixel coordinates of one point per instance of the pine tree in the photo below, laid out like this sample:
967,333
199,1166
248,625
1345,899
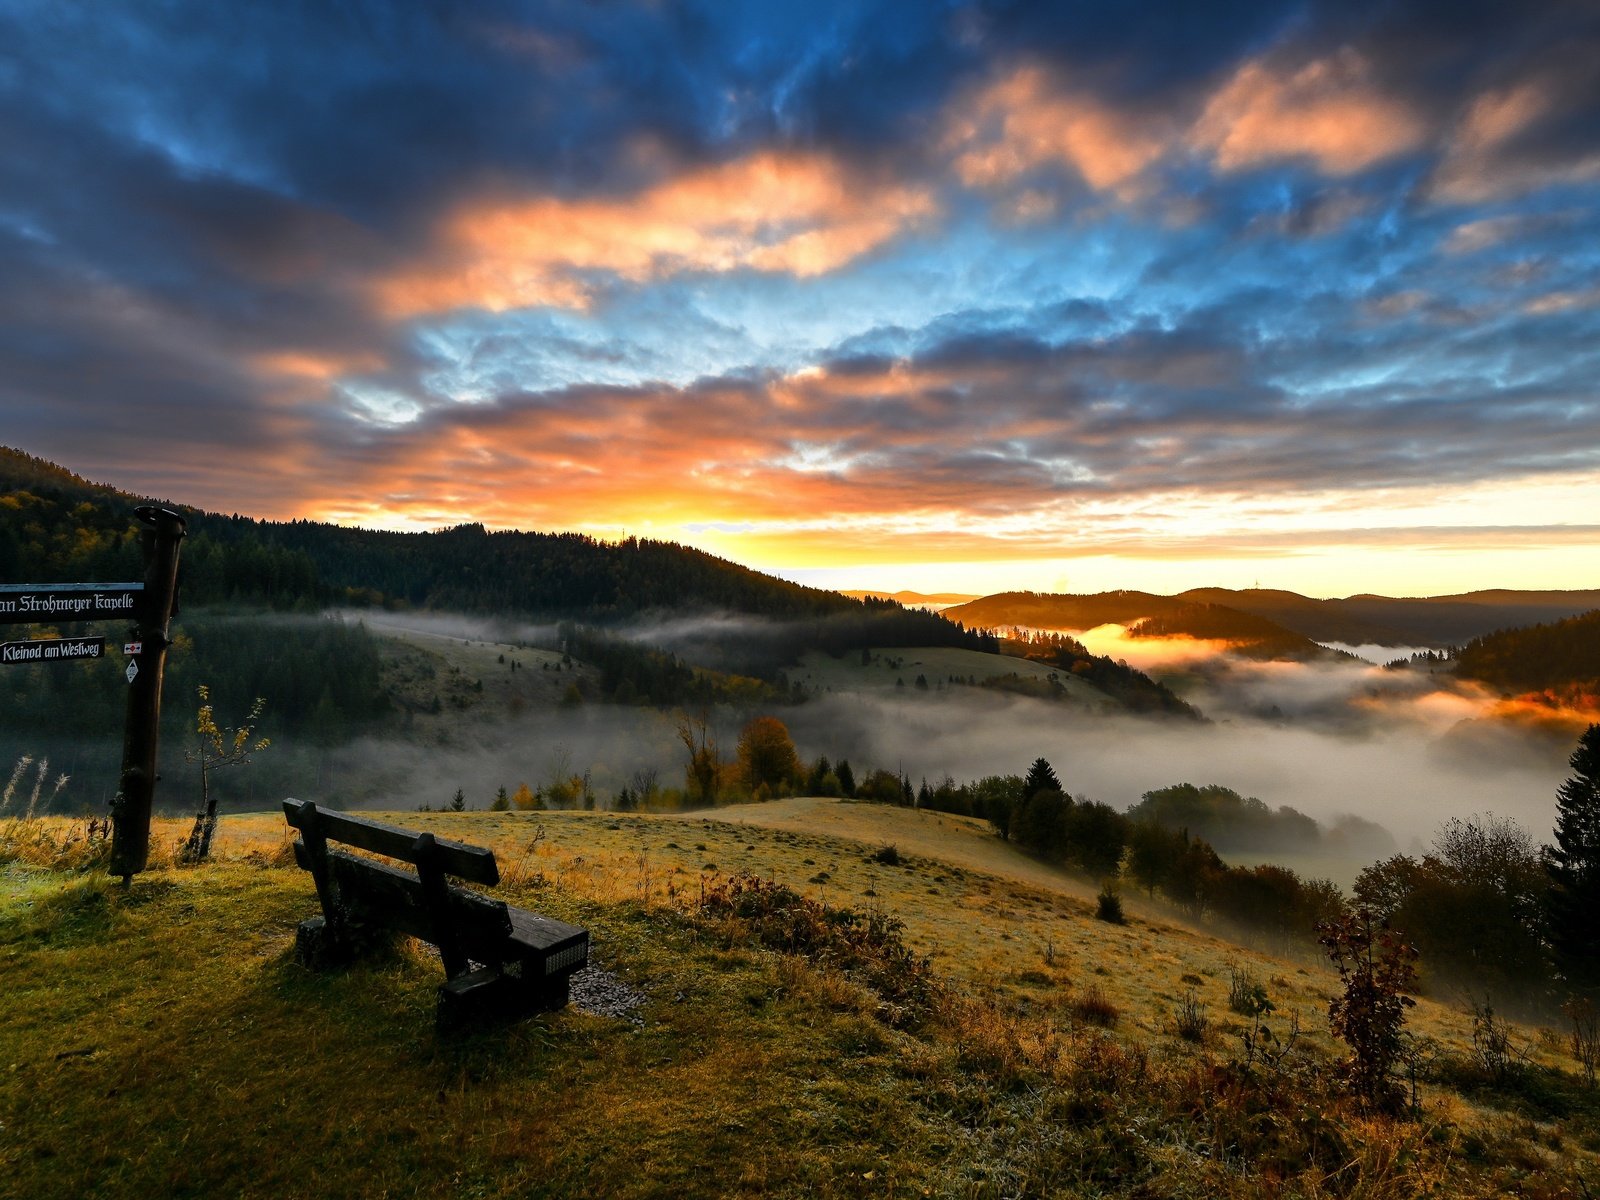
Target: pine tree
847,778
1041,777
1574,867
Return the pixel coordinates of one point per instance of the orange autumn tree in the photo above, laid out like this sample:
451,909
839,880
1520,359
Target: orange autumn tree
768,764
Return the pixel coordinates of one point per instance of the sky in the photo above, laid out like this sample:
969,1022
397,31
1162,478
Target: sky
953,297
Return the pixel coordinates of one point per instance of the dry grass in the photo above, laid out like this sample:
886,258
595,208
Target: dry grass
142,1027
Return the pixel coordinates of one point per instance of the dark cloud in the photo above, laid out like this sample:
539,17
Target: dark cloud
198,204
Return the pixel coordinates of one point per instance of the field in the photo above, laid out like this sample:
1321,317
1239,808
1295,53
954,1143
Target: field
164,1041
892,670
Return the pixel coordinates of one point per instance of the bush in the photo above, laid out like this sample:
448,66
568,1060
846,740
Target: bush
1244,991
1192,1021
1109,905
1585,1018
888,855
868,946
1094,1007
1376,966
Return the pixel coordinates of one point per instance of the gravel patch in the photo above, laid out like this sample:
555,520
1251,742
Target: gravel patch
598,992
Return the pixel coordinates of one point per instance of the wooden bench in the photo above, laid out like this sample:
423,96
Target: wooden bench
500,961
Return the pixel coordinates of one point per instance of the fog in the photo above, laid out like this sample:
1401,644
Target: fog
1406,749
454,625
608,743
1407,772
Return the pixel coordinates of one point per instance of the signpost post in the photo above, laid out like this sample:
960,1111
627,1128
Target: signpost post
130,809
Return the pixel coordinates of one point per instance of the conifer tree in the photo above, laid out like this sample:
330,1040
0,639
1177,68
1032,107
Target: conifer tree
1041,777
1574,867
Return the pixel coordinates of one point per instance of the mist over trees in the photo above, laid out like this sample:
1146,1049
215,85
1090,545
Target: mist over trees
56,526
1561,655
1132,688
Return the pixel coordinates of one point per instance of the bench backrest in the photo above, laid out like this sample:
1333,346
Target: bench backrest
472,863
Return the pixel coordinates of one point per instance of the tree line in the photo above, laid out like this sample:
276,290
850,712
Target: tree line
55,526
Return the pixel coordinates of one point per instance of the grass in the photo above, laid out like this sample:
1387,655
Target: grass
163,1040
893,667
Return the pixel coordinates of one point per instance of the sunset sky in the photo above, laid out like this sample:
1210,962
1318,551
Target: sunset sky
939,296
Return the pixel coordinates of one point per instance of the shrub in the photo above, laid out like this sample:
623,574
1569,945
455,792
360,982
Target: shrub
868,946
1493,1052
1192,1021
1245,992
1109,905
1585,1018
1094,1007
1376,966
888,855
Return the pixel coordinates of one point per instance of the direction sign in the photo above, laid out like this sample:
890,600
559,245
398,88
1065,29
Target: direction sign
34,603
51,650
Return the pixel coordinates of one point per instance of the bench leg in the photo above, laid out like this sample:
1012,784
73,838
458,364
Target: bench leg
488,995
321,946
315,946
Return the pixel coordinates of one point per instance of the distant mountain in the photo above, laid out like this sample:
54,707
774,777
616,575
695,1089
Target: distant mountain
1145,615
54,525
1435,621
1046,610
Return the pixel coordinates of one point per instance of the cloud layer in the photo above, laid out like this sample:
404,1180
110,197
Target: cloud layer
897,281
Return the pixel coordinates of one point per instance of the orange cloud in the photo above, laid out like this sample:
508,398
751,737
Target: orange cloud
1553,303
1025,121
306,364
1477,166
1326,111
803,214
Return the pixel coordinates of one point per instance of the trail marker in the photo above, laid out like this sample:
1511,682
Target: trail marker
51,650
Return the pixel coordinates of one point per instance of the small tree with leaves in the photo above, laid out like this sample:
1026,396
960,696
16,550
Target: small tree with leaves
216,747
1377,967
704,770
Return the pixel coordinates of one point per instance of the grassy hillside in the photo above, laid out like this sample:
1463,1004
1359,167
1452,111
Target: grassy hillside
163,1041
895,669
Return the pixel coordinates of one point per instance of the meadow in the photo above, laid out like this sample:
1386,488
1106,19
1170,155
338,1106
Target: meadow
162,1040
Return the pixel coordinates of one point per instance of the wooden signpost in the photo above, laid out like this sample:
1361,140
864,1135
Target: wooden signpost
151,605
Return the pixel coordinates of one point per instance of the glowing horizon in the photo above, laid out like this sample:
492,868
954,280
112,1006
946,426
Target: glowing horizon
1029,299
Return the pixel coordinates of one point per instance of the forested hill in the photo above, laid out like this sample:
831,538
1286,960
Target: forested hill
1146,615
1563,657
1432,621
57,526
1249,635
1436,621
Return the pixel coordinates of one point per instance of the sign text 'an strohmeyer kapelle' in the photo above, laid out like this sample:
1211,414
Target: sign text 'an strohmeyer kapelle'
32,603
51,650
